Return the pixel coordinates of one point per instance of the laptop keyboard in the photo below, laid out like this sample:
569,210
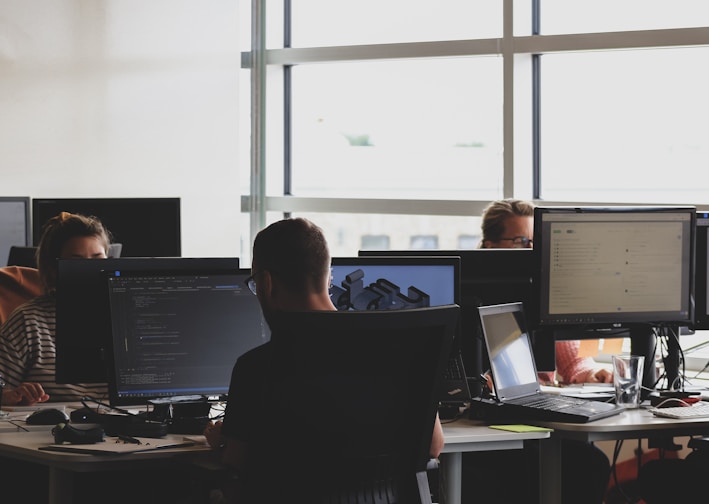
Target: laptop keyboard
553,403
454,370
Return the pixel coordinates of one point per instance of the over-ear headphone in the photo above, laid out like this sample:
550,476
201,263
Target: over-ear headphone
84,434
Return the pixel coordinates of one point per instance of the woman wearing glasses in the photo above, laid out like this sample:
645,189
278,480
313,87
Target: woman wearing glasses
509,223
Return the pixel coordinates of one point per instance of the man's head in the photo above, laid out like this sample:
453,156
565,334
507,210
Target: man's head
291,266
508,223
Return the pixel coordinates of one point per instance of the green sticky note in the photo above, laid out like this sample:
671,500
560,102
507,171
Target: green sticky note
521,428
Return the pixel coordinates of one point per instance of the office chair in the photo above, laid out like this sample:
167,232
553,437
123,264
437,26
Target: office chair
22,256
17,286
353,401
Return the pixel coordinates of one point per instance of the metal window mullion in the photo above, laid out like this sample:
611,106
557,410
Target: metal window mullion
257,201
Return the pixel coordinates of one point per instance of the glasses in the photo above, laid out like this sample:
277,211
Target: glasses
251,284
519,241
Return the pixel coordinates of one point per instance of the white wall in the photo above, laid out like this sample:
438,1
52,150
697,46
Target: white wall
120,98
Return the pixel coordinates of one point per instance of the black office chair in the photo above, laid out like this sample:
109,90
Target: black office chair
354,400
22,256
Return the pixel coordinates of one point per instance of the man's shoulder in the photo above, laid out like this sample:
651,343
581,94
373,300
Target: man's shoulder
255,354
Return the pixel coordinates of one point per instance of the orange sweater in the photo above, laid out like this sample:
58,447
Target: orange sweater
18,285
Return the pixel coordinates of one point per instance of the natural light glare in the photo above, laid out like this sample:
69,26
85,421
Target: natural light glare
401,129
625,126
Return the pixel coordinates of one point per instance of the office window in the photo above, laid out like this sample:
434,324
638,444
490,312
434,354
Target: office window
354,102
398,129
325,23
562,16
468,241
423,242
374,242
625,126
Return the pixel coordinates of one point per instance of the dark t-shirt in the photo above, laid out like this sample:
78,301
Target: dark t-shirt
245,405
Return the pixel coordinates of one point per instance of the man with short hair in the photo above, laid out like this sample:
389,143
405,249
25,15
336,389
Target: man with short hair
290,271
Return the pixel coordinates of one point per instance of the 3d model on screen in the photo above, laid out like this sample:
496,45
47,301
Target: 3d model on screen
379,295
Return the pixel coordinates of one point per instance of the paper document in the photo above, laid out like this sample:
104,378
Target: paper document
114,445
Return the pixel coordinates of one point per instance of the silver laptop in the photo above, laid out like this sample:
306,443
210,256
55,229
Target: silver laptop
514,373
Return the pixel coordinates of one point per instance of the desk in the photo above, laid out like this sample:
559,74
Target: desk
22,445
465,435
631,424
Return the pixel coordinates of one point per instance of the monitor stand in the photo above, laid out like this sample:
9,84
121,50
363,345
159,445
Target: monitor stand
643,342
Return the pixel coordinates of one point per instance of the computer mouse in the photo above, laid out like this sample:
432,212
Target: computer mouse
47,416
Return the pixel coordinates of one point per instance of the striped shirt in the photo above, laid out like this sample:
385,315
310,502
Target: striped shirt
28,352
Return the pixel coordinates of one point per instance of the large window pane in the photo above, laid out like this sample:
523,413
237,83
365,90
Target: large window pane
347,234
563,16
328,22
625,126
427,129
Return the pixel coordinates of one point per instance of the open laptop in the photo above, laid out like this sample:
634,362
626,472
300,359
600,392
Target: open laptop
514,373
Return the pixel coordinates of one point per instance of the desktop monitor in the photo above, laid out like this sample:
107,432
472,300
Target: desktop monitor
391,283
83,332
15,229
615,269
488,277
614,266
179,333
146,227
701,284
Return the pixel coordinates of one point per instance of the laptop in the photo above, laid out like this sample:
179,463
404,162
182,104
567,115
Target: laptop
514,373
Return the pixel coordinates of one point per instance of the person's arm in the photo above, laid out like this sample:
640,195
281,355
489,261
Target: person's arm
437,440
213,433
575,369
25,394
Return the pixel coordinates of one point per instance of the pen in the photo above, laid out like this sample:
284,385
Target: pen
129,439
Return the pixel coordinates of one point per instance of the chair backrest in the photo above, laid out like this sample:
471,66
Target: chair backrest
17,286
354,400
22,256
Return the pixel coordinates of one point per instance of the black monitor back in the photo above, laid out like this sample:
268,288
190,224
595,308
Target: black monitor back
146,227
83,330
701,283
488,276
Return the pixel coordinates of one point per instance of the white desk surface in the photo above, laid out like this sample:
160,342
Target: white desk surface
630,424
473,435
24,445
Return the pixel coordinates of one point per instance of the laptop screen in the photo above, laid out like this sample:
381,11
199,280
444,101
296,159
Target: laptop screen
179,333
511,359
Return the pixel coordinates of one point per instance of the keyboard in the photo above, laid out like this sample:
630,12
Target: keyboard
551,408
697,410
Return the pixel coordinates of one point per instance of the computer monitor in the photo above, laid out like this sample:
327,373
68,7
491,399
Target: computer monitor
179,333
701,284
146,227
83,331
391,283
618,268
614,266
488,277
15,229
